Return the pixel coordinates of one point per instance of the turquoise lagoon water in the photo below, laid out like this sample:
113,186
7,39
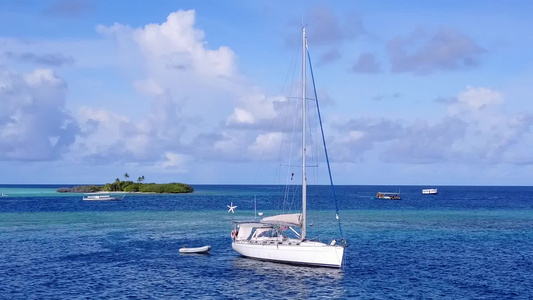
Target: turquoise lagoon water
464,243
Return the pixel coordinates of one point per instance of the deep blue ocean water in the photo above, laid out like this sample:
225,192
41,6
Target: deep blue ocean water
464,243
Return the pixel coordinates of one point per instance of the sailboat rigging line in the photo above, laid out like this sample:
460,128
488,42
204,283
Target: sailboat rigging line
290,89
287,179
287,202
299,98
309,166
292,67
291,189
313,140
337,216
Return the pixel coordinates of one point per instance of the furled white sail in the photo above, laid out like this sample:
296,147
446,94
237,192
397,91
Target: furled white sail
289,219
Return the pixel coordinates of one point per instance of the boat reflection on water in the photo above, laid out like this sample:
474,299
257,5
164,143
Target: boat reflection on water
305,282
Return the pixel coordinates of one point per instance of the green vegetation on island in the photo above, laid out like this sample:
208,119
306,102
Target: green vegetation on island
132,187
81,189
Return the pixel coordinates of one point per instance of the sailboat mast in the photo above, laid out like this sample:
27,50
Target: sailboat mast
304,179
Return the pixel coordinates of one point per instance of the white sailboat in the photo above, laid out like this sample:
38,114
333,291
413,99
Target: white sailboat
268,240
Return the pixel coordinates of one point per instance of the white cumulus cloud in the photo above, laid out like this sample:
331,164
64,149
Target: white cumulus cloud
183,78
475,130
34,123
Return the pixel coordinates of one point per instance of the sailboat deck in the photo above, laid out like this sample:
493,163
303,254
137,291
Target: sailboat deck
270,241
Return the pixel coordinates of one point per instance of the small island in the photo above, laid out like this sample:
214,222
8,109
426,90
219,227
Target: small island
131,187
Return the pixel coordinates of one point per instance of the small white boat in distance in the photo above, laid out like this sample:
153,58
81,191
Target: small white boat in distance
102,197
429,191
203,249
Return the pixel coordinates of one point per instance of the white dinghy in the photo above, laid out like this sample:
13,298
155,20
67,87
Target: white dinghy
204,249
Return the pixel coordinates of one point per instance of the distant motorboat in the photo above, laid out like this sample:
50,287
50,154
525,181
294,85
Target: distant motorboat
388,196
429,191
203,249
102,197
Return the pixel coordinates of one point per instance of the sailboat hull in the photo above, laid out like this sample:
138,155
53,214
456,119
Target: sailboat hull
306,253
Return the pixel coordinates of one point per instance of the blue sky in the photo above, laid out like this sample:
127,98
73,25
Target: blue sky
412,92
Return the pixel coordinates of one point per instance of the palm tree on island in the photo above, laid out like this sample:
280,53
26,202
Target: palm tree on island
126,175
